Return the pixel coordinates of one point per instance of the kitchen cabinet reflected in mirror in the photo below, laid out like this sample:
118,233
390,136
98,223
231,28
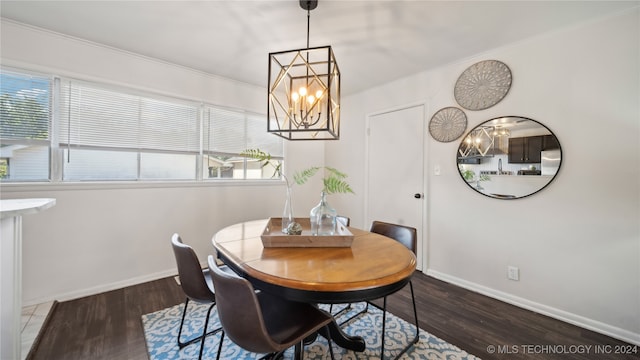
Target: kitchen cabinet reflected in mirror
509,157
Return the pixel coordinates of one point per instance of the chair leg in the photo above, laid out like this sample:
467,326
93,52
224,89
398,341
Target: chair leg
329,342
384,322
299,348
299,351
341,311
220,346
363,311
204,331
273,356
384,319
197,338
184,314
415,315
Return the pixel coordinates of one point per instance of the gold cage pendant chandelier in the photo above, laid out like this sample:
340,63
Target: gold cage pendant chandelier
304,91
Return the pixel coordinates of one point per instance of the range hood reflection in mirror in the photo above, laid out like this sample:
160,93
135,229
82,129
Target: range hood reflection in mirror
502,158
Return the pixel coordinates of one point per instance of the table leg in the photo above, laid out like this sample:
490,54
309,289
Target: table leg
338,337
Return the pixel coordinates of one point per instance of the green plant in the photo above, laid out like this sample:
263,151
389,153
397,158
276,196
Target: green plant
469,175
265,159
334,182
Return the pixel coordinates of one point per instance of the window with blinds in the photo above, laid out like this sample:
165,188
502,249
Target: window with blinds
227,133
25,113
111,134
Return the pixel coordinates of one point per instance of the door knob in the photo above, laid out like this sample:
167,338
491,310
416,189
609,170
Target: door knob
417,195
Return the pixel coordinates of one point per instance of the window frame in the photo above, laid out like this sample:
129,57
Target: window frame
57,148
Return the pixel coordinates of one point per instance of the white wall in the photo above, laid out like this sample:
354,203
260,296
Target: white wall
104,236
577,243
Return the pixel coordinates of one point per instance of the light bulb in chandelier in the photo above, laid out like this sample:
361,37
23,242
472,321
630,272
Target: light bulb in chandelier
499,132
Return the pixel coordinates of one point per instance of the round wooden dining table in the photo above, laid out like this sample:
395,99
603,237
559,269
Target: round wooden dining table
373,266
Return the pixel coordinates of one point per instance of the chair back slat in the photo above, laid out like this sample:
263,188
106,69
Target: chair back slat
192,278
406,235
239,311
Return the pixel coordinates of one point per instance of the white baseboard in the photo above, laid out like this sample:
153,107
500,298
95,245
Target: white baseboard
562,315
99,289
581,321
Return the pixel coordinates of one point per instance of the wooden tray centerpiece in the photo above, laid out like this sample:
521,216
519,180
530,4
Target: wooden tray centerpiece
272,236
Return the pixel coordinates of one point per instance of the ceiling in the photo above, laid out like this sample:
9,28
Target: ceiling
374,41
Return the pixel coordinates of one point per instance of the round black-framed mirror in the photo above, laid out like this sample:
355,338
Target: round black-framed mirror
509,157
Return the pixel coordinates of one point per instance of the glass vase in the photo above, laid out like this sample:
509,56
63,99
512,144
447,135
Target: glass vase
287,214
323,218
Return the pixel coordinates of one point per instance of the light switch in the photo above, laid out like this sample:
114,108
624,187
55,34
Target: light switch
436,170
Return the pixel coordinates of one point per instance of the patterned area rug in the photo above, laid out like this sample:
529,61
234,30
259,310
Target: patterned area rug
161,330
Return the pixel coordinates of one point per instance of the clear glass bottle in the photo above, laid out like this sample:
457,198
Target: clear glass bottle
323,218
287,214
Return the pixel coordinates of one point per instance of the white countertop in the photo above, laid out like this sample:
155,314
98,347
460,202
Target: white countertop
16,207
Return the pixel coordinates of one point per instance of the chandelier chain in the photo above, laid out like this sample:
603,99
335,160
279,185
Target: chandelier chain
308,24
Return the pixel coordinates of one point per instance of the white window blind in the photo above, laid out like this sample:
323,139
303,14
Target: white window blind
91,116
259,138
224,131
232,132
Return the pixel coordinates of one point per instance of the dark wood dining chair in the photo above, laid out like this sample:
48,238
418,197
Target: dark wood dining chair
407,236
197,285
261,322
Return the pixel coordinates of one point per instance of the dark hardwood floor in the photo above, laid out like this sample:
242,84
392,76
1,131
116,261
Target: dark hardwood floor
108,325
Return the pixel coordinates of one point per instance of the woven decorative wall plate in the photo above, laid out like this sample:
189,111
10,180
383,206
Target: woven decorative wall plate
447,124
483,85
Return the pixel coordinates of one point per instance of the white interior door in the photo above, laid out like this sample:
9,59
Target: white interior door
395,170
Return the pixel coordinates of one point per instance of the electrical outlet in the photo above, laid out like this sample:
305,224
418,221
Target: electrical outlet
436,170
513,273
